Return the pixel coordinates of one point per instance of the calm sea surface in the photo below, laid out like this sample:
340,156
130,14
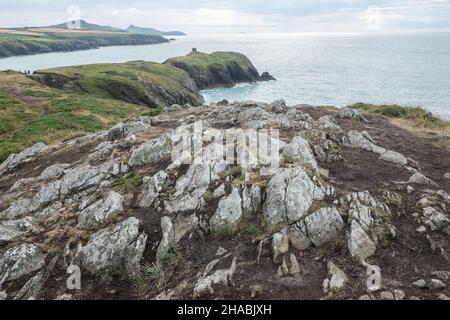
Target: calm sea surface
411,69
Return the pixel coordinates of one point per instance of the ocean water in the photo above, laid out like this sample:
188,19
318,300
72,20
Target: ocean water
318,69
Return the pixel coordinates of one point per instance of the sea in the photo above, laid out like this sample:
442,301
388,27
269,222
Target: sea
319,69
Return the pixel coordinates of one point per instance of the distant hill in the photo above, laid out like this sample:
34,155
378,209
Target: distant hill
151,31
89,26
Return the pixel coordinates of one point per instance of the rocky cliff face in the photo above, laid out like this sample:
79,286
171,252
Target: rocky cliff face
351,195
218,69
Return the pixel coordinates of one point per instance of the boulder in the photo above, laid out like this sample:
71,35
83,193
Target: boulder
434,219
298,236
421,179
152,186
251,199
349,113
289,195
19,208
83,177
394,157
124,130
102,212
19,261
15,160
280,244
53,172
324,225
299,152
228,213
359,243
115,250
336,279
155,150
12,230
363,141
328,123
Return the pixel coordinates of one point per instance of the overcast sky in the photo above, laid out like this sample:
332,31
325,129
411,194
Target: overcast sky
197,16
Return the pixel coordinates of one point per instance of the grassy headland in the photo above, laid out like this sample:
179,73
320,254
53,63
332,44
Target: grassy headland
139,82
14,42
216,69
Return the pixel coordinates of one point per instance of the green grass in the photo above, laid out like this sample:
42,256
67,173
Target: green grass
418,116
199,61
30,113
128,183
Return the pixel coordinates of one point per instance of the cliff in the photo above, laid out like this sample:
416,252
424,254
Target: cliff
218,68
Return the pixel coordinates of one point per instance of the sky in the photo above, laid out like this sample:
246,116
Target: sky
212,16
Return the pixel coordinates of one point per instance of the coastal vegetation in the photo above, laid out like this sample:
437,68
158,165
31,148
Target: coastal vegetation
26,41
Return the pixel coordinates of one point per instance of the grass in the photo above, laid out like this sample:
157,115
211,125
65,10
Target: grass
199,61
135,76
32,41
128,183
31,112
170,257
414,119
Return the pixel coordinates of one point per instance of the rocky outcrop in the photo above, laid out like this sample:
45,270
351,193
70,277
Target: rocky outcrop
218,69
116,249
136,212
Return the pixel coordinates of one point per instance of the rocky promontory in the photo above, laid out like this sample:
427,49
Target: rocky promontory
352,207
218,69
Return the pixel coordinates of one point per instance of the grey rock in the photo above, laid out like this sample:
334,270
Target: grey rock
251,199
12,230
219,192
434,219
420,284
289,195
167,242
387,295
359,243
47,194
421,179
83,177
324,225
102,212
328,123
15,160
447,176
101,152
228,213
299,151
298,236
206,281
394,157
19,208
348,113
116,249
437,284
280,244
19,261
152,186
361,214
258,118
53,172
363,141
336,280
124,130
155,150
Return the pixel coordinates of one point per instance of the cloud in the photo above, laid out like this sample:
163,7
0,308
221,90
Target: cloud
265,15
